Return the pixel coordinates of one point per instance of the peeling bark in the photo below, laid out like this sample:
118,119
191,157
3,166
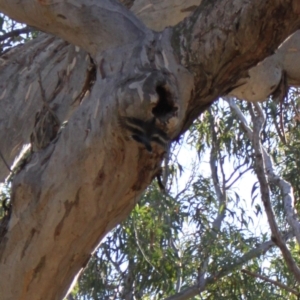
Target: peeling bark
264,79
261,80
62,68
220,54
77,205
157,15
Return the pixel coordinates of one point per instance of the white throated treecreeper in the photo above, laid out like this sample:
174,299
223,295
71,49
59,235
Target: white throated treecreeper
144,132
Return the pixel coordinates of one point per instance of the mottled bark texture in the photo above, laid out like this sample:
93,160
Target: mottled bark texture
85,176
261,81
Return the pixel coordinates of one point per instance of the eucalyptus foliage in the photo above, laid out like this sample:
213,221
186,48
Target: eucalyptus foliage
171,236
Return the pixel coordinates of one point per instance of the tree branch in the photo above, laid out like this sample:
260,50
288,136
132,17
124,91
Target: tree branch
15,33
228,39
261,169
253,253
264,278
90,24
221,198
72,192
287,195
238,177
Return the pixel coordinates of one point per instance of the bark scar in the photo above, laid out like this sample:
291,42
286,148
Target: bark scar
68,207
90,79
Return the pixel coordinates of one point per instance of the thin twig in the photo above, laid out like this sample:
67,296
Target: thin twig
281,137
142,251
235,170
253,253
15,33
264,278
240,175
221,196
265,194
262,168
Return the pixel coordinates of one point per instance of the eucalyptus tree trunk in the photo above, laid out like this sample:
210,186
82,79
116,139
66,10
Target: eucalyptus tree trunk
100,97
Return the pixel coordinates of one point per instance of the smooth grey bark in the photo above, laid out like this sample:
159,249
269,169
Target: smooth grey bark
90,24
157,15
63,70
76,188
266,77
